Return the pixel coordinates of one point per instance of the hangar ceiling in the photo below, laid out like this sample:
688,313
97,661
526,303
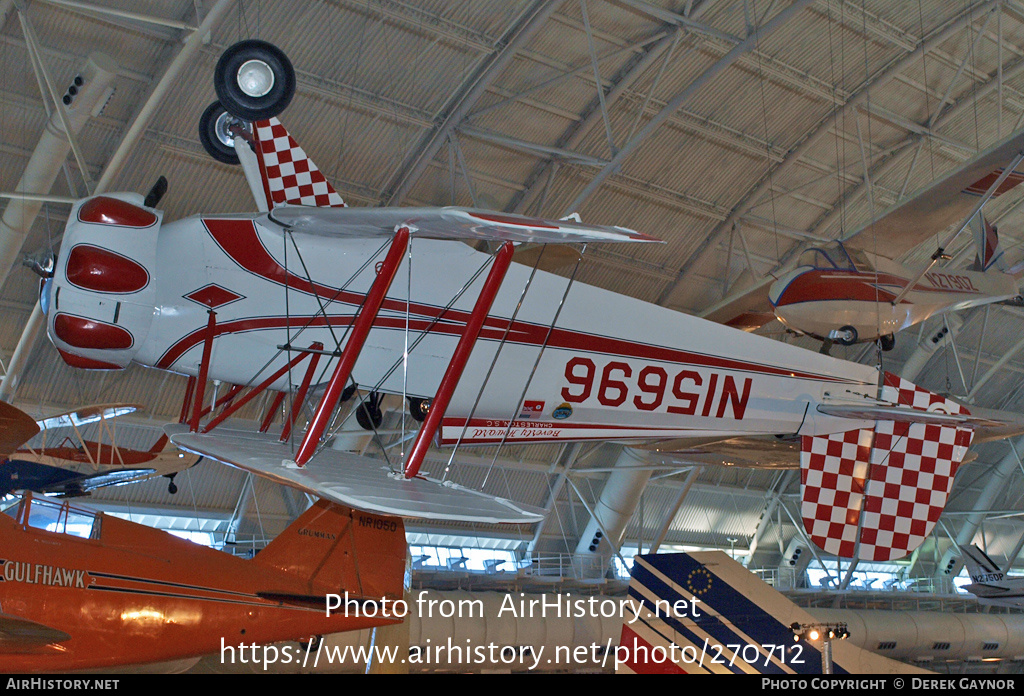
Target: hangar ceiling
737,132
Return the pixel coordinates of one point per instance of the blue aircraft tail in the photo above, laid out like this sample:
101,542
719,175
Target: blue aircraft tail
704,613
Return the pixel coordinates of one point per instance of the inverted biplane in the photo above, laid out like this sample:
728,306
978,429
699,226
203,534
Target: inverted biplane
852,290
82,590
75,465
395,301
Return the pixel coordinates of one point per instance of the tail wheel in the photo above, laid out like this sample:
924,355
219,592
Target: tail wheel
887,342
254,80
215,133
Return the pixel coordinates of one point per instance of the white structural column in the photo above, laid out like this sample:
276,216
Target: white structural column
42,169
170,77
619,497
44,165
995,483
938,337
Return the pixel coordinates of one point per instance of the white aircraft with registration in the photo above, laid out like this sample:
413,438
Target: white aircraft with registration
852,291
308,296
988,583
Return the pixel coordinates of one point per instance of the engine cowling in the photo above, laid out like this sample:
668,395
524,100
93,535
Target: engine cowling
101,300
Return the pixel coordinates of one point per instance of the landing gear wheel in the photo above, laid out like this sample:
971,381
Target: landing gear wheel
887,342
172,487
254,80
215,133
848,336
368,413
418,408
311,645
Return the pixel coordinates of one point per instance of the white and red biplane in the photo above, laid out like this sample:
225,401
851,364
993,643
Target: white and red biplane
520,356
852,290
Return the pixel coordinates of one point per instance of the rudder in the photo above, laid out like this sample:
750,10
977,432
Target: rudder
289,176
336,549
875,494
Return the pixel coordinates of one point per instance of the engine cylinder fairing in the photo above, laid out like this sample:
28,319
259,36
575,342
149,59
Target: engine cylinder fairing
100,302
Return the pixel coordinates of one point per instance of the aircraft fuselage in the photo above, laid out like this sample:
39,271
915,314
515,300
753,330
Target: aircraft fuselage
556,365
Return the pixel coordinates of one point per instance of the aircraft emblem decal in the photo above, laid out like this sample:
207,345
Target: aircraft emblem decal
213,296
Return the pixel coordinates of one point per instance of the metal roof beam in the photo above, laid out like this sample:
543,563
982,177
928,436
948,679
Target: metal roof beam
677,102
462,102
824,128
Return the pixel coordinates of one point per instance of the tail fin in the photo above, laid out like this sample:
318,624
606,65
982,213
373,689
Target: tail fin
704,613
986,243
980,567
289,175
876,493
336,548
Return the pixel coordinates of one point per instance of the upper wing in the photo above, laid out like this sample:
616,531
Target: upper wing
446,223
944,202
16,428
87,414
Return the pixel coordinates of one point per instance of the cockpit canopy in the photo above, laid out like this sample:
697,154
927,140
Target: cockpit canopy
835,256
52,516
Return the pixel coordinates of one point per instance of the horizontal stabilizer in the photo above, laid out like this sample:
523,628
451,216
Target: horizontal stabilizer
876,493
19,633
446,223
898,414
988,424
351,480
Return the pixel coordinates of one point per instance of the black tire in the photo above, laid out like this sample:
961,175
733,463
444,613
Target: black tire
368,414
851,332
275,93
887,342
209,124
418,408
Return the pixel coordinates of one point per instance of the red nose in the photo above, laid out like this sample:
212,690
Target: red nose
81,332
97,269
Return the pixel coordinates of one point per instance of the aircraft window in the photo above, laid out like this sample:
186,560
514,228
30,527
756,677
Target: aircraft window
829,257
462,558
859,259
60,518
9,505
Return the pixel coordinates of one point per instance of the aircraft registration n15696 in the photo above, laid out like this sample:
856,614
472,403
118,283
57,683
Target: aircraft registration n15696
501,352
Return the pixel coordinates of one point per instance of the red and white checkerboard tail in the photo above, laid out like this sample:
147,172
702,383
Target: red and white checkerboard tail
289,176
876,493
